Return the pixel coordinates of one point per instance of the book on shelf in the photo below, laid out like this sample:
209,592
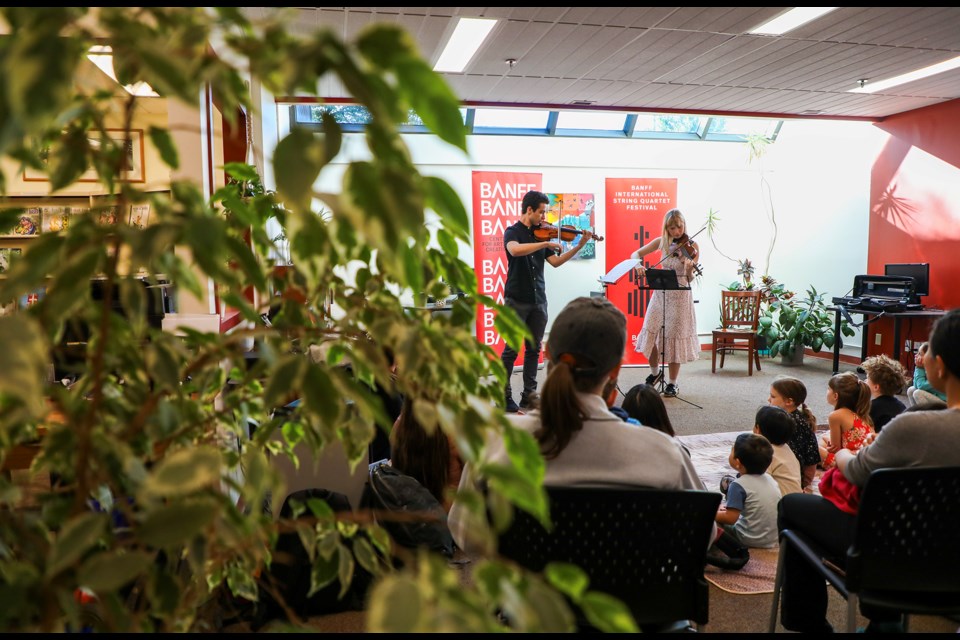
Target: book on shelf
54,219
27,225
5,255
139,215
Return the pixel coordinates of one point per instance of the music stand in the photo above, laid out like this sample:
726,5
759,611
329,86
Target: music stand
664,280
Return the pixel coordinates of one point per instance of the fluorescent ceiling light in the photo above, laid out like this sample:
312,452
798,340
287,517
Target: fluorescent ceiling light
466,39
102,56
791,20
932,70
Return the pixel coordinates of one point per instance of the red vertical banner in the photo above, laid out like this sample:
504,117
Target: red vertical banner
635,210
496,205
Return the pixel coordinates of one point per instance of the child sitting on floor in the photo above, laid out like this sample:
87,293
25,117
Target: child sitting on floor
790,394
885,377
776,425
850,422
749,518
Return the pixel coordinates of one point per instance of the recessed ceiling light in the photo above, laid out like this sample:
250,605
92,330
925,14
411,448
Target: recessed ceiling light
940,67
102,56
466,39
790,20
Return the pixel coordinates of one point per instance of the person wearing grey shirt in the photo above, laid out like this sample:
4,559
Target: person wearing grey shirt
911,439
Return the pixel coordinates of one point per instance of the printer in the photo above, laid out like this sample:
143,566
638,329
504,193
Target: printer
893,294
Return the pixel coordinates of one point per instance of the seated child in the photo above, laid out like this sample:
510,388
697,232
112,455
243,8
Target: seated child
850,423
790,394
644,404
922,393
776,425
885,377
749,518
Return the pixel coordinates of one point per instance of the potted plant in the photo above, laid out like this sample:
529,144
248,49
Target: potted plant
790,324
156,510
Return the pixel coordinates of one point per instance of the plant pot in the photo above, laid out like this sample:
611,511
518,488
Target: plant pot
792,361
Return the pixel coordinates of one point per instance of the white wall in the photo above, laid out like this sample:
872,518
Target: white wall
818,173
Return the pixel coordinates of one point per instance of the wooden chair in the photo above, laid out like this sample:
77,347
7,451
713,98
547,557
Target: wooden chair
646,547
740,315
904,555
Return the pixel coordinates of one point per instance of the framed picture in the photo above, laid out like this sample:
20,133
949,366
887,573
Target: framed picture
134,158
28,224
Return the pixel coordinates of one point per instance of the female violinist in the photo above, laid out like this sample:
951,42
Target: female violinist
680,343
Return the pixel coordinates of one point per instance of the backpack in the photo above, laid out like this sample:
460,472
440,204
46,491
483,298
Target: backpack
391,491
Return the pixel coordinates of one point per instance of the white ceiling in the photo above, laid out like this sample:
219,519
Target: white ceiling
691,59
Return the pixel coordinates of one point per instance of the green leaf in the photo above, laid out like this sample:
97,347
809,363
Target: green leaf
567,578
78,536
23,361
185,471
297,162
111,570
284,382
395,606
164,143
444,200
607,613
172,526
163,365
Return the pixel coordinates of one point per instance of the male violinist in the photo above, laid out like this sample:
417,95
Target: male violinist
525,291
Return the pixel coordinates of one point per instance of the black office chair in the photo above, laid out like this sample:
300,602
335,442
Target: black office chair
904,556
646,547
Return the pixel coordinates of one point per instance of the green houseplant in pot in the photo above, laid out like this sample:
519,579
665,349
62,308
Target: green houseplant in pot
790,324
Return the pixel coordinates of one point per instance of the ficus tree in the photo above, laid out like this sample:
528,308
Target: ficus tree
155,505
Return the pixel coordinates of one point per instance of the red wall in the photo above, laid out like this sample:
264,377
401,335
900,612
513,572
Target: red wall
915,210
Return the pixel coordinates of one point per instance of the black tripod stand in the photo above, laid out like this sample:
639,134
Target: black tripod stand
664,280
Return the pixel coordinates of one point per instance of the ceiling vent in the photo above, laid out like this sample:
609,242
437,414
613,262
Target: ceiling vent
583,103
812,112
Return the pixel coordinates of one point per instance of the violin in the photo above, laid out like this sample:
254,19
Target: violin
548,233
684,247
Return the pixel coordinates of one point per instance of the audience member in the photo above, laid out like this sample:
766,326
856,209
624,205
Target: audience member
790,394
916,438
749,518
776,425
850,422
643,403
430,458
921,393
582,441
885,377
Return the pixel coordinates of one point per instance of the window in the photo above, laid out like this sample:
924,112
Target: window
561,123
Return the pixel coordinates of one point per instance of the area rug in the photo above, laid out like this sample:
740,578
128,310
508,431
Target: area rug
757,576
710,453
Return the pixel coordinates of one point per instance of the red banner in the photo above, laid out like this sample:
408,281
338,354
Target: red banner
635,210
496,205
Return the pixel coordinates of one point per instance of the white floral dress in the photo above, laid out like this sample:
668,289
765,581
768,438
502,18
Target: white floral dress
682,344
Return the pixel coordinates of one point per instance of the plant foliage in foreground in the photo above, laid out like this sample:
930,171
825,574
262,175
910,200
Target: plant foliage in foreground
147,433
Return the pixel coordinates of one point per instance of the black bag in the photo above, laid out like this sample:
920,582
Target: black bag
392,491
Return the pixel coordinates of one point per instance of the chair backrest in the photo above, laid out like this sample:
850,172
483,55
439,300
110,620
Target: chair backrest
906,538
646,547
330,470
740,309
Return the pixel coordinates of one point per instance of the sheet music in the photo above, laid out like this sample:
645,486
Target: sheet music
613,276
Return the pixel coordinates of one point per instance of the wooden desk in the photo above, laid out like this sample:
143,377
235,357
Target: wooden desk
875,315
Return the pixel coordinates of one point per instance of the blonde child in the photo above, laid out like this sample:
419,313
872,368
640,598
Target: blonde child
850,422
790,394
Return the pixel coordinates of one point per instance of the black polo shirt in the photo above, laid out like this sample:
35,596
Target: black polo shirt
525,281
